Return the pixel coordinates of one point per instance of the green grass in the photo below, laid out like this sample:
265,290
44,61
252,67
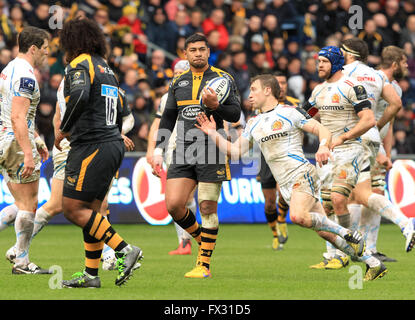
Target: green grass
244,267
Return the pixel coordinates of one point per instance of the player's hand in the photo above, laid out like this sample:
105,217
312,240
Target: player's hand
58,138
336,142
384,161
205,124
210,98
129,144
28,166
44,153
157,165
323,155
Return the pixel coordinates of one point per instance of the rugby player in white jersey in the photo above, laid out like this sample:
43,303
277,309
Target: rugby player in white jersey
20,157
184,238
345,109
278,132
386,104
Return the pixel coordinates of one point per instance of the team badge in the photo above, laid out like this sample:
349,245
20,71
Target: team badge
277,125
335,98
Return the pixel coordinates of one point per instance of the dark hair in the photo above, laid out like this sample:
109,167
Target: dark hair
31,36
268,80
279,74
196,37
356,47
391,54
82,36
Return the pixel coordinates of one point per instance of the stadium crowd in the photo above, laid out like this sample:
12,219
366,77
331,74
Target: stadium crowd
246,38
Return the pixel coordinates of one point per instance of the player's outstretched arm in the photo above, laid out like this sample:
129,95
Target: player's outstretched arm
324,135
233,150
394,105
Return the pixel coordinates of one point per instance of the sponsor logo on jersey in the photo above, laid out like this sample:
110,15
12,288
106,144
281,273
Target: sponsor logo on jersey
183,83
149,193
105,70
274,136
335,98
401,183
190,112
365,78
277,125
332,108
342,174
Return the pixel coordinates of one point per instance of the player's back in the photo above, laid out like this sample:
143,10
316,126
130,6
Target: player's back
98,120
18,79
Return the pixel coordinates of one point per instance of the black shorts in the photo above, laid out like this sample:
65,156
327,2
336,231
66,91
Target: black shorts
265,175
90,169
200,168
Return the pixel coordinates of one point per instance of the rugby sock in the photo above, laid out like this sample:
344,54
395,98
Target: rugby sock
344,220
7,216
192,207
320,222
347,249
369,228
282,209
42,218
100,228
331,250
387,210
93,252
208,237
189,224
272,222
355,215
24,229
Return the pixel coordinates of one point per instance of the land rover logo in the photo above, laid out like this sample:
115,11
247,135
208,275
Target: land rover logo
183,83
190,112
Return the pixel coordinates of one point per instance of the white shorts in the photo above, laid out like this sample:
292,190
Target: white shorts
12,160
59,160
325,174
305,180
347,164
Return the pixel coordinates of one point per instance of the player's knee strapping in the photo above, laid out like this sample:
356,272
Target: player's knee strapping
327,204
343,190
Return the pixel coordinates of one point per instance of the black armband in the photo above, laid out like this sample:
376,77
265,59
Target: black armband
309,109
364,105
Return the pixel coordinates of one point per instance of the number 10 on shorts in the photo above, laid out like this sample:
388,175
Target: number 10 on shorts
111,95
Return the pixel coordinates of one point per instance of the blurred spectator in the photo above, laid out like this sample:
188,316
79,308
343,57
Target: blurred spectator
48,92
292,48
407,8
5,58
283,10
140,110
101,16
116,10
129,84
392,13
237,22
389,36
236,43
216,22
343,16
374,42
408,92
259,9
254,28
310,76
196,19
326,23
39,17
149,7
372,7
409,51
179,26
158,68
408,33
224,61
282,65
258,65
17,18
277,49
139,137
309,50
256,45
401,144
133,24
44,123
180,47
239,71
209,6
213,38
270,28
158,31
172,6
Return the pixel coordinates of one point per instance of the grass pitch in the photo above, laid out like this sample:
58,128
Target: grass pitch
244,267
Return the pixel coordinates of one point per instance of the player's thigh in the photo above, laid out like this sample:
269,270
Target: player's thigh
362,191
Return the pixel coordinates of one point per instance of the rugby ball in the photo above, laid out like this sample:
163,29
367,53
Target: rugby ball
221,86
